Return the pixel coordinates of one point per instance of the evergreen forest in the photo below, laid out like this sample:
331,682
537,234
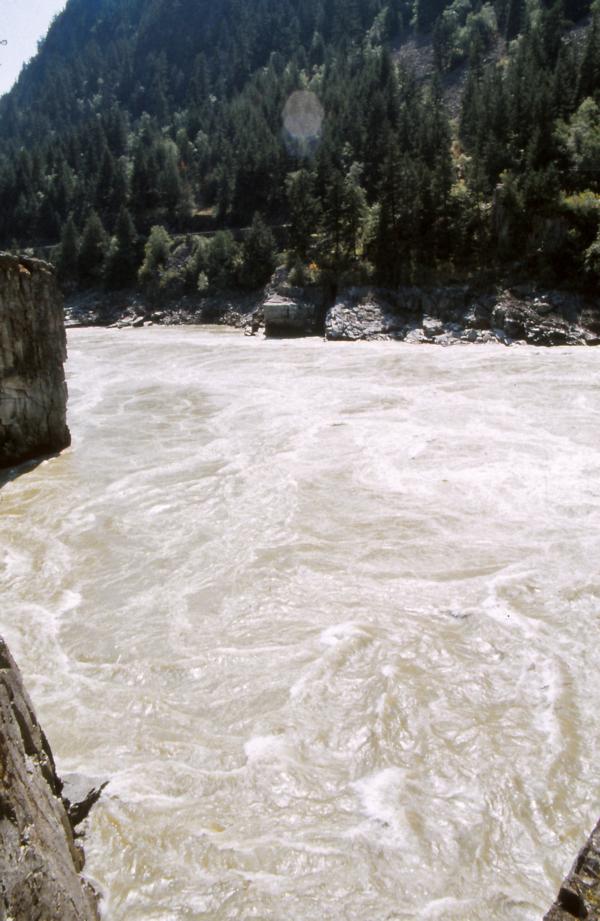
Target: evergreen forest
193,145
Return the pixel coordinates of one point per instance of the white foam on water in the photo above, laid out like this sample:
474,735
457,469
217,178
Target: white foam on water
323,614
341,632
70,600
267,748
448,908
381,795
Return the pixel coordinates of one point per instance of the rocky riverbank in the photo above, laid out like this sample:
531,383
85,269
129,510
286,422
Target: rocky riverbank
454,315
446,316
40,860
33,394
579,895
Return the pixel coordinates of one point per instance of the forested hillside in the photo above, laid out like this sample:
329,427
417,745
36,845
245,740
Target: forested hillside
143,133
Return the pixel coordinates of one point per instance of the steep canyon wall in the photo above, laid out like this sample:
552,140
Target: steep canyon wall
33,393
39,859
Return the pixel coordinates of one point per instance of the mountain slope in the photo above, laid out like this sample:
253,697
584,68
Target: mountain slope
174,113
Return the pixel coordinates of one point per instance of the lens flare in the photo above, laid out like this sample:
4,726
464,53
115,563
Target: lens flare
303,117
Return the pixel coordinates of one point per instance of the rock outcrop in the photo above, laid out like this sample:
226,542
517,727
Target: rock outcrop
579,895
33,393
454,314
39,859
286,316
442,315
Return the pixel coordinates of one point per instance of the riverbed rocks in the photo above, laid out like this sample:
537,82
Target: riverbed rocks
33,394
443,315
455,314
132,310
355,317
40,861
579,895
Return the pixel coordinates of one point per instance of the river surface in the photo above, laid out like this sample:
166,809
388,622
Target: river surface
327,615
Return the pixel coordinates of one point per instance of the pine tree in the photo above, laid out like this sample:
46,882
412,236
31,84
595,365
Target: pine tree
514,18
258,254
68,258
343,217
93,250
304,209
564,83
105,185
575,9
589,74
123,258
168,181
426,13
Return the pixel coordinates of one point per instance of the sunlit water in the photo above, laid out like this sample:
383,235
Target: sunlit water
328,616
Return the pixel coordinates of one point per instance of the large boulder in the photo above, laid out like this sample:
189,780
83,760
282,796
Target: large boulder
535,321
39,860
358,314
33,393
285,316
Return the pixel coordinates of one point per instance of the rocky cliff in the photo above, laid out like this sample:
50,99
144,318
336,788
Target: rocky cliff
39,860
579,895
33,393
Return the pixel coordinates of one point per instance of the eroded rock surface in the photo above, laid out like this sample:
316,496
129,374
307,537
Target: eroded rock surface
39,859
579,895
33,394
445,316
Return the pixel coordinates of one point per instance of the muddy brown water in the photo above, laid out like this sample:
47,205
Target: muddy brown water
328,616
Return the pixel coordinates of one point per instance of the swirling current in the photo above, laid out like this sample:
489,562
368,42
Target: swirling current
327,616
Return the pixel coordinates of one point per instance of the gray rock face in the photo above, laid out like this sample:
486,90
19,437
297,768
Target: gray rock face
372,318
445,316
39,860
579,895
33,394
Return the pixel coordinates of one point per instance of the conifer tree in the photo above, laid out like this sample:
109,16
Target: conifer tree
105,185
514,18
258,254
426,13
589,74
123,260
343,216
399,221
68,258
93,250
168,180
305,211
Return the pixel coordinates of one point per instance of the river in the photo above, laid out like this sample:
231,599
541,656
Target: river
327,615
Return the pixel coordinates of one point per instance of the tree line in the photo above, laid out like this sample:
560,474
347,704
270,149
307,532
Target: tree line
138,125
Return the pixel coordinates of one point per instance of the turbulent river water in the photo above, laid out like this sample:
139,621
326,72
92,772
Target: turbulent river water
327,615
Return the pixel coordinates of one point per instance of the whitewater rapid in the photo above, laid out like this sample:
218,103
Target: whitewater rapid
327,616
